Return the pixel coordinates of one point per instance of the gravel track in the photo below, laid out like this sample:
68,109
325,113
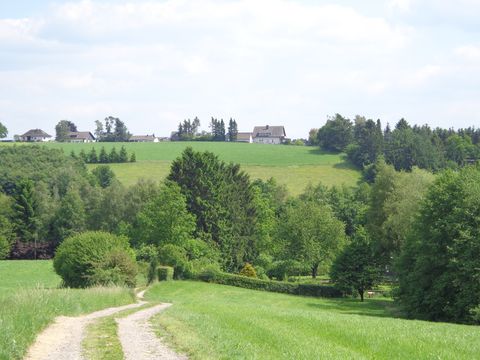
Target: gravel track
62,340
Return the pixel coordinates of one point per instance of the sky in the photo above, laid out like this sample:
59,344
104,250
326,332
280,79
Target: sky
277,62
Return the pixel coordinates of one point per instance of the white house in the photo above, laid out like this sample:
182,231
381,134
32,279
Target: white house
143,138
244,137
35,135
80,137
269,134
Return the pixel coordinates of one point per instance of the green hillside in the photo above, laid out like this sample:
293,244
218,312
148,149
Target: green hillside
210,321
294,166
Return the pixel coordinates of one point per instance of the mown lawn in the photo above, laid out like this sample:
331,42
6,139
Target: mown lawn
211,321
30,299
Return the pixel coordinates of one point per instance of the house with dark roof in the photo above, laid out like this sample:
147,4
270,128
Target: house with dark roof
80,137
269,134
35,135
143,138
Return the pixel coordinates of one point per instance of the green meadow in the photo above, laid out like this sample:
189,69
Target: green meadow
209,321
293,166
30,298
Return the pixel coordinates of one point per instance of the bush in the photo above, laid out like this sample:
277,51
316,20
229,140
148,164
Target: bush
175,256
152,271
280,270
146,253
165,273
248,271
269,285
118,268
78,257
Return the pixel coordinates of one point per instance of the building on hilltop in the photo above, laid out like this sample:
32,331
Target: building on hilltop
35,135
269,134
244,137
143,138
80,137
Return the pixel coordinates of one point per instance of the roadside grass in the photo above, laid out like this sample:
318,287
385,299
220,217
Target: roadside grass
30,301
26,274
209,321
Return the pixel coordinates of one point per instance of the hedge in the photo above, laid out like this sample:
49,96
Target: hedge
270,285
165,273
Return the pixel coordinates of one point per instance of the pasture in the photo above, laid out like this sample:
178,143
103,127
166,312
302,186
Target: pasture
293,166
210,321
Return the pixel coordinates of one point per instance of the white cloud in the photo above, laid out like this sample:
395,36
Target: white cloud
469,52
155,63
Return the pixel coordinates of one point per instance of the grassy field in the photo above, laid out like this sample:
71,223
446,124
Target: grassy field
294,166
211,321
30,299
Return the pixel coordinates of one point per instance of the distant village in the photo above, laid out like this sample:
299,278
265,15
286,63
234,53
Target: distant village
266,134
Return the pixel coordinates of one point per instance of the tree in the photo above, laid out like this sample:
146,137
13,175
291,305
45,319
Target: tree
70,218
99,132
221,198
7,233
3,131
368,142
103,157
63,128
356,267
123,155
113,156
438,269
114,130
336,134
92,157
25,207
165,219
104,175
311,233
232,130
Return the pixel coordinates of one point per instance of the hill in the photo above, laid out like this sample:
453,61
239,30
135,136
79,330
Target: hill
211,321
294,166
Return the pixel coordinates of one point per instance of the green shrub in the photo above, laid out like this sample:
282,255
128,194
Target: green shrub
152,271
269,285
175,256
165,273
280,270
78,256
146,253
118,268
248,270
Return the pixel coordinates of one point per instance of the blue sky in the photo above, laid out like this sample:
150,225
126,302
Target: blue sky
155,63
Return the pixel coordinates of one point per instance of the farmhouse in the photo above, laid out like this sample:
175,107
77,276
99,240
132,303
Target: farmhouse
80,137
244,137
143,138
35,135
269,134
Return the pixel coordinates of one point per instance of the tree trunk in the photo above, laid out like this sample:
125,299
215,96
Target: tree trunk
360,291
314,271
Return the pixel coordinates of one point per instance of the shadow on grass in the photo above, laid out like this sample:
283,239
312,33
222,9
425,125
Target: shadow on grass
370,307
317,151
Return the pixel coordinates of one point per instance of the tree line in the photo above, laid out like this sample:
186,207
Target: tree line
415,229
103,157
404,146
189,130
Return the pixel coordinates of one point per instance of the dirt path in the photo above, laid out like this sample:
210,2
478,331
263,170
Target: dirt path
63,339
138,339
